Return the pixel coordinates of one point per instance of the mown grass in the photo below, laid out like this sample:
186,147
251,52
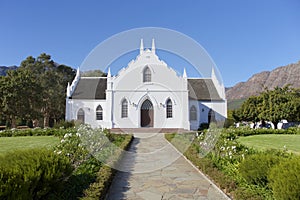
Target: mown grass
8,144
273,141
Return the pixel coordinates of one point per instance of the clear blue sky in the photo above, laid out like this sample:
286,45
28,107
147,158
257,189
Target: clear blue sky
243,37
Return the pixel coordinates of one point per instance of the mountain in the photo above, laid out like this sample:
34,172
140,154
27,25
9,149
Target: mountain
4,69
281,76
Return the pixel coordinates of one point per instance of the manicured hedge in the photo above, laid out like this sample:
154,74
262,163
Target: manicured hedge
32,174
248,131
36,132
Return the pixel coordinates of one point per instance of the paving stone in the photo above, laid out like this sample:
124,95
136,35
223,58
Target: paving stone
157,171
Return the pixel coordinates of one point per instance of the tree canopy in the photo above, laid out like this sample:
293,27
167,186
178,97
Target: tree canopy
36,89
271,105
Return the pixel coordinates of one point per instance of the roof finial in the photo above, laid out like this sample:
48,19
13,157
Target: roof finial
108,73
78,73
142,46
184,73
68,90
153,46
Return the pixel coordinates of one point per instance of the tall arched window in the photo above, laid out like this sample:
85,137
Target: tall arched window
147,75
99,113
80,115
193,113
124,109
169,109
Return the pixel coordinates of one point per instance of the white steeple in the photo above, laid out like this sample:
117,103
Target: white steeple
142,47
68,90
184,74
153,46
108,73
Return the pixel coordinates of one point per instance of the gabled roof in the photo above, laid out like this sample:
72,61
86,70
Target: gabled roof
90,88
95,88
203,90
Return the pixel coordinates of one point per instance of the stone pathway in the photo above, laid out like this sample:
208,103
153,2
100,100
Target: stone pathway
153,169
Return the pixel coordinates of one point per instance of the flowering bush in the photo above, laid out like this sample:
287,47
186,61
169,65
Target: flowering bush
88,148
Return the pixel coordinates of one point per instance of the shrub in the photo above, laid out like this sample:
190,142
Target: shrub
284,179
64,124
203,126
255,168
99,188
36,132
31,174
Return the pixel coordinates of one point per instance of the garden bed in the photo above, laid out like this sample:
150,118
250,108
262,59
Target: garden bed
240,171
84,151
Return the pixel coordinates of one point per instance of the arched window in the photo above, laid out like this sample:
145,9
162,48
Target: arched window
193,113
169,108
147,75
80,115
124,109
99,113
211,116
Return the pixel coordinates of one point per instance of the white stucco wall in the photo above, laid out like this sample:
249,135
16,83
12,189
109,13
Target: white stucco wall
128,83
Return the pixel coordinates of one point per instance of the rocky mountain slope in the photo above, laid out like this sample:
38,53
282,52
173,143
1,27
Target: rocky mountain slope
3,69
280,77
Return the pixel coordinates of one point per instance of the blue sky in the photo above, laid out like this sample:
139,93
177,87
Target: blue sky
243,37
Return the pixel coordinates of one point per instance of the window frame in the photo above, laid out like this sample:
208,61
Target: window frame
169,109
193,113
147,75
124,108
99,113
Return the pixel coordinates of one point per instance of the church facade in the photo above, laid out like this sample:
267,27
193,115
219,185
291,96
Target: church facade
147,93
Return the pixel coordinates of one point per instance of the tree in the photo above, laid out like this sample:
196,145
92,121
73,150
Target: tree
53,79
249,110
18,96
272,105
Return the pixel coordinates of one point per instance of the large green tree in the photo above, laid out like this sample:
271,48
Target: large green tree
53,79
18,96
37,88
271,105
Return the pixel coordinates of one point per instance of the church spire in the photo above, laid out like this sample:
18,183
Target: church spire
184,74
153,46
108,73
68,90
142,46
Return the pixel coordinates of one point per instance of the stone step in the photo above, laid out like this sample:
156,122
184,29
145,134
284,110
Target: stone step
148,130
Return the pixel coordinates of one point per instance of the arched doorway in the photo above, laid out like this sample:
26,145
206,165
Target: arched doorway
147,114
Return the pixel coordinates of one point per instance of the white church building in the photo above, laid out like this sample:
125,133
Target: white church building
147,93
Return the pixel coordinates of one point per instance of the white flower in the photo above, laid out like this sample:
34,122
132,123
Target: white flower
62,141
233,147
59,152
78,134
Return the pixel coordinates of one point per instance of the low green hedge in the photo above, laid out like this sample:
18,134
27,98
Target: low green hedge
36,132
32,174
249,131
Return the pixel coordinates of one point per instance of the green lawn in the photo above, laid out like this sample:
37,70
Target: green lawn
13,143
263,142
